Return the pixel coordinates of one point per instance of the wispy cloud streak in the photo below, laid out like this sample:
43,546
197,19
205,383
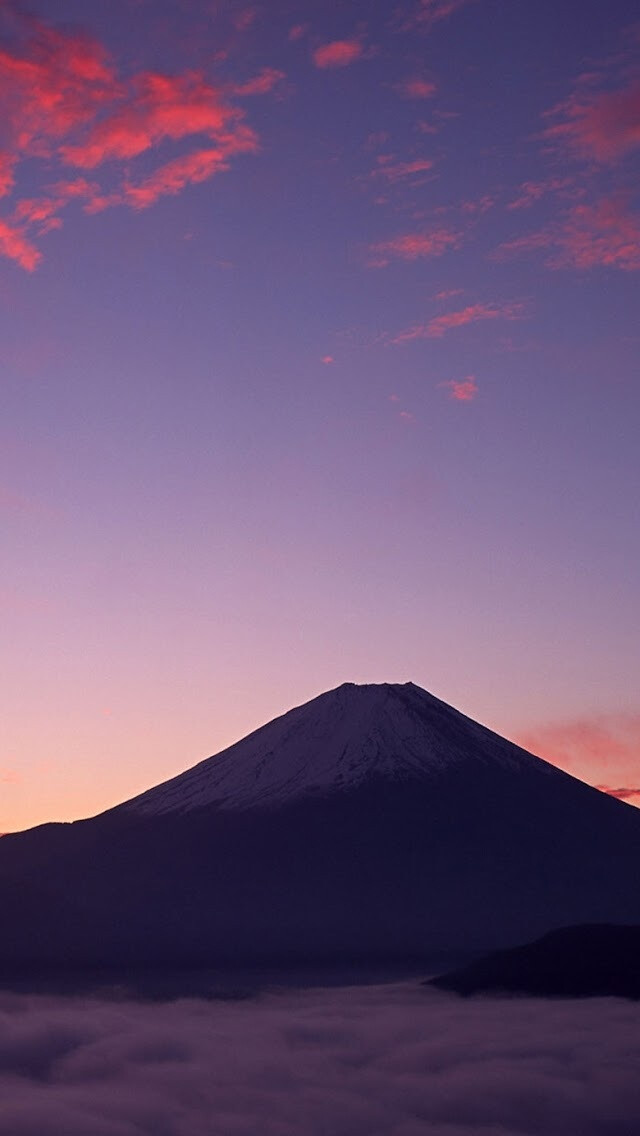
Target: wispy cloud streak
430,12
438,326
414,246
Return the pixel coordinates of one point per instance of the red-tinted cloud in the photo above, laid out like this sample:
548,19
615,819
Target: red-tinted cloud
462,390
160,107
245,19
479,206
530,192
436,327
7,164
474,313
396,171
15,246
414,246
261,84
62,101
605,235
430,12
57,83
624,794
173,177
416,88
338,53
605,751
43,211
603,125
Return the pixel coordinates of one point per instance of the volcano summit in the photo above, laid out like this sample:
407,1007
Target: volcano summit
372,823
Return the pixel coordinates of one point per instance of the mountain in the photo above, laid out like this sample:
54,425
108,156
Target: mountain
373,823
574,962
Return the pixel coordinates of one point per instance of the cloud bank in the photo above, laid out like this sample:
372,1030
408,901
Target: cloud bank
361,1061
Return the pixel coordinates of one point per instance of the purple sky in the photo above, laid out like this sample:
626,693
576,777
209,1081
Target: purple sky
319,363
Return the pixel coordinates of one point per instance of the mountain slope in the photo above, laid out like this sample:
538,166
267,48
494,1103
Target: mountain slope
371,823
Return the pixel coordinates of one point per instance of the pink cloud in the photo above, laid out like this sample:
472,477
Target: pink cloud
160,107
479,206
414,246
174,176
604,125
35,211
430,12
245,19
602,750
261,84
624,794
427,128
63,101
605,235
436,327
327,360
15,246
448,293
531,192
338,53
602,235
462,390
7,179
44,211
396,171
417,88
474,313
57,83
297,32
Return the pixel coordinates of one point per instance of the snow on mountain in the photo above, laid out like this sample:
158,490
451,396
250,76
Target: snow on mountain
336,741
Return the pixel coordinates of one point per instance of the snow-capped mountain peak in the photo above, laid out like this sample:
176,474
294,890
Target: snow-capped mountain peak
334,742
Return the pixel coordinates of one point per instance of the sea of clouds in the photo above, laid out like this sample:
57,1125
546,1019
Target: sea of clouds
394,1060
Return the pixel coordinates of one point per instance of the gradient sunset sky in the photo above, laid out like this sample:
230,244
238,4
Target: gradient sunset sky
319,363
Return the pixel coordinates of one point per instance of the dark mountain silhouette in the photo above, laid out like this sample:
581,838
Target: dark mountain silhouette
373,823
574,962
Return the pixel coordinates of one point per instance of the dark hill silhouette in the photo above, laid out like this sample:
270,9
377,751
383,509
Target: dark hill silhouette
573,962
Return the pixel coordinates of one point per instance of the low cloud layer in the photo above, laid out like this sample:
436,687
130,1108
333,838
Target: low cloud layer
368,1061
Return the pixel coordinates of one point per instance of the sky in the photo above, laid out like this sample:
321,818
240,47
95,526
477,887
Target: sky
318,351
